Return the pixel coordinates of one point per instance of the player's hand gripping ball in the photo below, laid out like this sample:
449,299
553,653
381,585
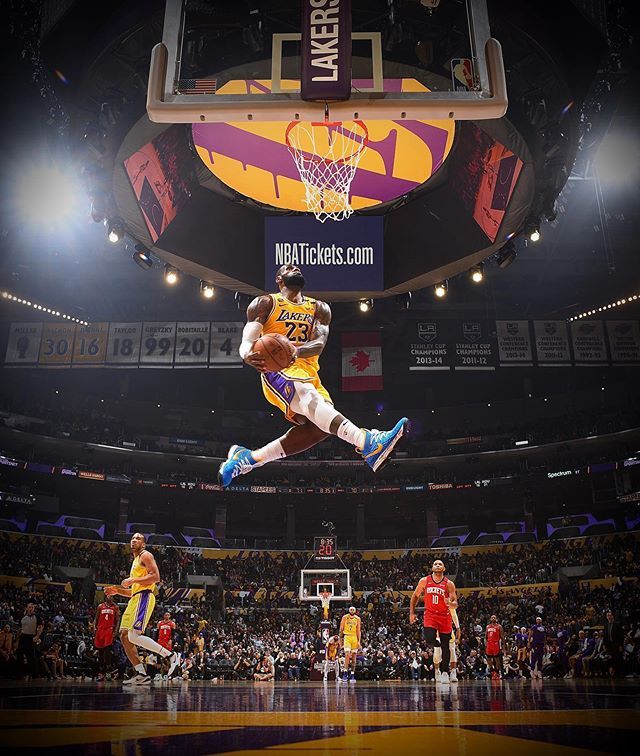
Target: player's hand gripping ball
275,351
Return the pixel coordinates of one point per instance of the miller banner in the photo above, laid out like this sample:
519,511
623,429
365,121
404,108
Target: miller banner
346,256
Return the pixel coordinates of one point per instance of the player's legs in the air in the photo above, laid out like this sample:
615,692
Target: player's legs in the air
310,408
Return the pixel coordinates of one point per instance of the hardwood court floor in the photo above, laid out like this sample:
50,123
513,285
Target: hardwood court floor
373,718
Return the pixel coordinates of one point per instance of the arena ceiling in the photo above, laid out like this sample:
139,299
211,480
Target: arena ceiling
586,255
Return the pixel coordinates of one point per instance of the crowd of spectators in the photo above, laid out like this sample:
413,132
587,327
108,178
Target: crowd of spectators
37,557
234,647
262,628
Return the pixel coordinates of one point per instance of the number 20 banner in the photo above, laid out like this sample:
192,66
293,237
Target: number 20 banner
125,345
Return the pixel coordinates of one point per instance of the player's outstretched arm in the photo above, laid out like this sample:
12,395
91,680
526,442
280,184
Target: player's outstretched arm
414,600
257,314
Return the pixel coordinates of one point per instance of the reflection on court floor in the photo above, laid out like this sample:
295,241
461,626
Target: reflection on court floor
529,717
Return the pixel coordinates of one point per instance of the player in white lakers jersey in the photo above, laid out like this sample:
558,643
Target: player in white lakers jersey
297,390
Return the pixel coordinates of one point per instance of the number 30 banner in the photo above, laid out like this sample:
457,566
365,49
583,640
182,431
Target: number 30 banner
125,345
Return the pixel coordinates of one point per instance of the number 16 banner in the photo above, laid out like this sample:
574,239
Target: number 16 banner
90,345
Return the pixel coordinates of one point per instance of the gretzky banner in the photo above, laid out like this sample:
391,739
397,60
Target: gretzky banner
473,346
514,342
624,341
430,346
361,361
589,347
552,343
158,342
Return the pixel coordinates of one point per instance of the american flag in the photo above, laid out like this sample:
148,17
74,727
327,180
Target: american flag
197,86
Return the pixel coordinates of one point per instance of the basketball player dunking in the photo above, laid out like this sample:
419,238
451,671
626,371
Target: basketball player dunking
350,637
297,390
138,588
439,596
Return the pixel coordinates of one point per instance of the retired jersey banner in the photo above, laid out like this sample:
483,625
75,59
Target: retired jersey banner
552,343
56,347
23,346
589,346
624,341
123,348
430,346
362,361
192,345
158,341
90,345
473,346
514,343
225,343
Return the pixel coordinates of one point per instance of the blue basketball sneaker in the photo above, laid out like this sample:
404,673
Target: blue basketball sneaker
378,445
238,462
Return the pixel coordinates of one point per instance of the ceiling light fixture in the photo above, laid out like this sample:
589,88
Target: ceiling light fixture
171,274
441,289
207,290
477,273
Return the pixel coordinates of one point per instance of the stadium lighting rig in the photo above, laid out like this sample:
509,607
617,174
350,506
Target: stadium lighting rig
41,308
604,308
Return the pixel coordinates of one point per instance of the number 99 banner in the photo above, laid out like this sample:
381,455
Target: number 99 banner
125,345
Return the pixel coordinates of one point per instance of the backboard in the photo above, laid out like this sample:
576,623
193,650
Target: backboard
237,62
315,582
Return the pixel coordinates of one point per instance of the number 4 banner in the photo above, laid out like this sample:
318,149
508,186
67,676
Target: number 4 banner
225,343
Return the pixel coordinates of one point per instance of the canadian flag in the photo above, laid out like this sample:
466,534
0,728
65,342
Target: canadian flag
361,361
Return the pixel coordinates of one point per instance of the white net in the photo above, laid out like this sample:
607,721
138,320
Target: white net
327,155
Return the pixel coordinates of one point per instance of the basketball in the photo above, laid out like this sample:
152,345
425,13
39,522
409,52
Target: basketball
276,350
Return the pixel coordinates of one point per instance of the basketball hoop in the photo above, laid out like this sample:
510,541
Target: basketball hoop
325,598
327,154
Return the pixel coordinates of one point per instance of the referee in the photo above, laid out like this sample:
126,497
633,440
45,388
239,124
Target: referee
31,627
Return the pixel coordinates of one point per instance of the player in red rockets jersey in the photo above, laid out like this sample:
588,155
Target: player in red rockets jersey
438,594
166,627
105,623
493,646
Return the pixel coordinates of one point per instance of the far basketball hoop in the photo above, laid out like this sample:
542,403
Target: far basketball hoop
327,154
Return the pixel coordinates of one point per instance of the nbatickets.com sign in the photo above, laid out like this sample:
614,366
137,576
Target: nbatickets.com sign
346,256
